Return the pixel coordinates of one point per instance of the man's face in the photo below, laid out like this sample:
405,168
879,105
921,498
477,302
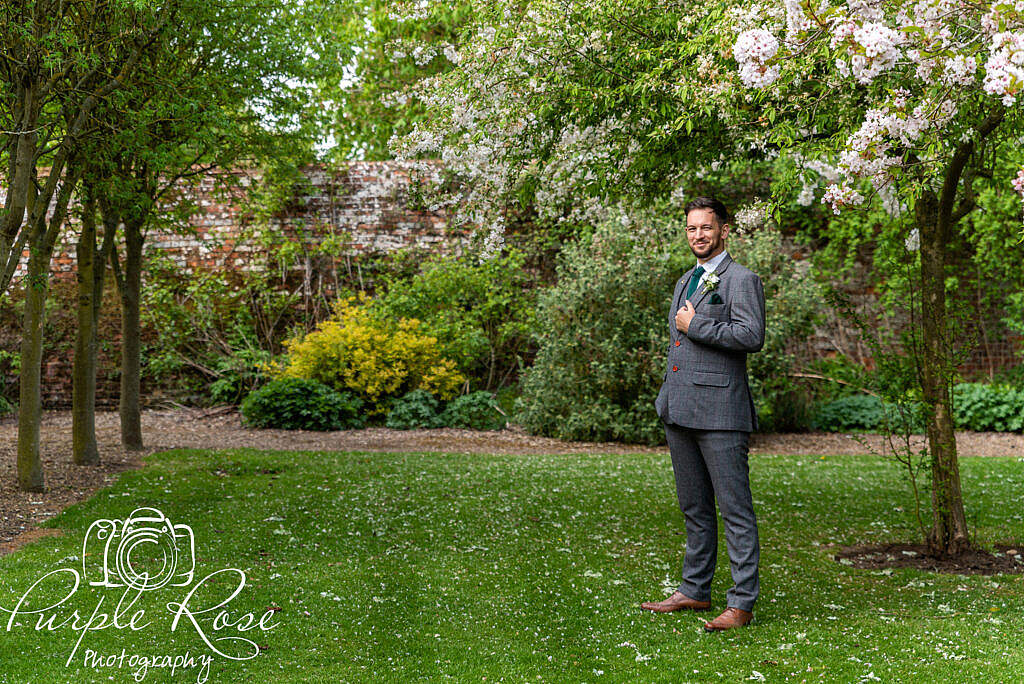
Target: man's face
705,235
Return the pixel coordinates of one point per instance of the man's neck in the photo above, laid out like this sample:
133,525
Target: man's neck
701,262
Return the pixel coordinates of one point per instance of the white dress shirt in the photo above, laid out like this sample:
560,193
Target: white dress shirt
709,267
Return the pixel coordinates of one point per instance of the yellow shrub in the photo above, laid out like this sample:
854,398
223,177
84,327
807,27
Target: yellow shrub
353,351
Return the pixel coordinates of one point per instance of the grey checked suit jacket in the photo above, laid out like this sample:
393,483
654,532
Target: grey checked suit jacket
709,389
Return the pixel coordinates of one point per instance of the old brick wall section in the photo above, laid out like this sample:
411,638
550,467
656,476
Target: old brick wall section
369,208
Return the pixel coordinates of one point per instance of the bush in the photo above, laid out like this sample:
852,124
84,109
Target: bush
378,360
475,411
981,408
239,374
417,409
299,404
207,337
480,312
869,413
602,335
602,332
1012,375
857,412
976,406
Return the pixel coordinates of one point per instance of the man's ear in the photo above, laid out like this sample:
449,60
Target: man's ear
725,230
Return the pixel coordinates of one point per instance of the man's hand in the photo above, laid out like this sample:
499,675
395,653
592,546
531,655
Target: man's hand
684,316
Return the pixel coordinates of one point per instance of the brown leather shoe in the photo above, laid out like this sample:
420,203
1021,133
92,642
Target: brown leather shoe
677,601
730,617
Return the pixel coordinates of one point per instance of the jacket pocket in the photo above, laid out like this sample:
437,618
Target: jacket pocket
712,379
719,312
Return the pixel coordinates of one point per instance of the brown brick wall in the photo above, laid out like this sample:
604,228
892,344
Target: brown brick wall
368,207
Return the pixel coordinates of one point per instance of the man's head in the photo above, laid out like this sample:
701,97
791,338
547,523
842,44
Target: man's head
706,227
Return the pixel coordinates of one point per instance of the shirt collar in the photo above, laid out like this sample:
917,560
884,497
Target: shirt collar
712,264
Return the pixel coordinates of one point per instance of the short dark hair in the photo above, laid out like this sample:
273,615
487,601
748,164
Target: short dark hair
721,213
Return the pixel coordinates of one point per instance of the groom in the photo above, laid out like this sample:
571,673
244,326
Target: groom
717,318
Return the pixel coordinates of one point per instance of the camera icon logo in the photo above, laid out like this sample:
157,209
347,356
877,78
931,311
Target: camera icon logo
144,552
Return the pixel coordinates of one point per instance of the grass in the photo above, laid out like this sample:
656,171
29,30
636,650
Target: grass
425,567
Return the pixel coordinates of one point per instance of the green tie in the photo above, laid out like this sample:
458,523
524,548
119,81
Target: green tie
694,279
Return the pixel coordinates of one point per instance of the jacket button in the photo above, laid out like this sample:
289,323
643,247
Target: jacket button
677,343
675,368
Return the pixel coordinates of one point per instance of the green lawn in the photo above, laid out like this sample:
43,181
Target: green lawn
423,567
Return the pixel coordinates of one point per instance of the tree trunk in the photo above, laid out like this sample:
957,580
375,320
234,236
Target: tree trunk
949,535
131,375
83,402
30,469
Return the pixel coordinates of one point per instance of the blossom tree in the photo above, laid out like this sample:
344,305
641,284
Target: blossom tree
569,106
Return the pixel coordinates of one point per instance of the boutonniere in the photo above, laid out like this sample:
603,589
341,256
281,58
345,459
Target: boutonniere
710,282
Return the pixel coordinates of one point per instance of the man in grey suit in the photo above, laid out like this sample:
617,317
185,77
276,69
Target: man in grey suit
717,318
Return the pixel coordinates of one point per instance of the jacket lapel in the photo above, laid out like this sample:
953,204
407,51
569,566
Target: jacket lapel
720,271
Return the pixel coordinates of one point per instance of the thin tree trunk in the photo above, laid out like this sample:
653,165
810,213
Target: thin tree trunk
91,267
30,469
83,396
43,238
949,534
131,374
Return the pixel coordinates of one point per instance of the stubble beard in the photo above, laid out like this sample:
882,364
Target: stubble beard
707,252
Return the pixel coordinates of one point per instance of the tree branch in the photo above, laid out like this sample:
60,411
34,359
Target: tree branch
956,168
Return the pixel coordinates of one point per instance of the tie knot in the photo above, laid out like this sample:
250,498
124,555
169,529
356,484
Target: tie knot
698,272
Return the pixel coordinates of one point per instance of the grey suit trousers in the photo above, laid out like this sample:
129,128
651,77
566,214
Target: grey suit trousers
710,465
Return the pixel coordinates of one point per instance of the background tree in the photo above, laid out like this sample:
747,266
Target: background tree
569,105
210,99
92,250
380,55
136,73
59,61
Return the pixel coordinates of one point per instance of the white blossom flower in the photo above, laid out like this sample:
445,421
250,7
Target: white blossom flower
913,241
839,196
1004,70
752,50
750,217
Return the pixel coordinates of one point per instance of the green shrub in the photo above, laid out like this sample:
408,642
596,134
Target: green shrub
417,409
475,411
239,374
481,312
981,408
5,406
976,406
299,404
206,337
602,332
374,358
1011,375
868,413
857,412
602,336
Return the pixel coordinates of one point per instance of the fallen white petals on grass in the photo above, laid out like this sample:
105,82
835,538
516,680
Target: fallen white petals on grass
640,658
